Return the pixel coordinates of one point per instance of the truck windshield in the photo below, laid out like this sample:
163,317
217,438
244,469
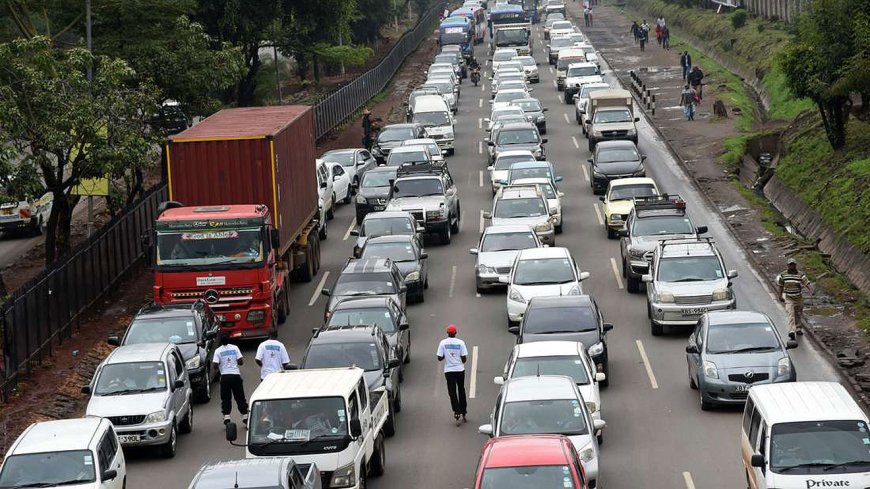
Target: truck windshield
582,71
819,447
612,116
297,420
511,37
209,247
48,469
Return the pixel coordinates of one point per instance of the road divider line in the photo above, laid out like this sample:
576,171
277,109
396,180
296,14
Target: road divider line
646,364
567,120
452,281
585,173
349,229
317,290
482,221
616,272
480,104
555,85
598,214
482,88
480,119
472,384
576,144
480,147
690,484
481,178
551,69
461,219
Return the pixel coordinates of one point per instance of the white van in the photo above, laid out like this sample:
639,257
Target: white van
82,453
433,113
804,435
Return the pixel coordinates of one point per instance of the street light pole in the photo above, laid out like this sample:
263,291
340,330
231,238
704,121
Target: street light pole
90,78
277,75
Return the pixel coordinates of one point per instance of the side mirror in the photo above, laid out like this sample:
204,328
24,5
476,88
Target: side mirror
421,229
543,140
490,143
600,376
601,198
325,292
109,474
503,279
552,211
292,366
355,427
113,340
544,109
490,168
732,274
599,424
231,432
692,349
646,278
560,193
498,380
701,230
637,119
404,326
86,389
179,384
211,334
424,255
514,330
791,344
393,363
485,429
558,179
473,251
487,120
575,97
589,160
322,184
642,157
622,233
757,461
584,276
487,215
276,238
355,232
607,327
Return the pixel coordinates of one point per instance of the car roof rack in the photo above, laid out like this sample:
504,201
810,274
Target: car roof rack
659,202
420,170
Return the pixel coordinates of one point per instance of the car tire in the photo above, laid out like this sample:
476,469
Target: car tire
401,374
349,197
397,402
692,384
330,213
600,439
451,151
202,394
632,285
559,229
426,283
168,449
611,234
591,146
390,425
363,480
656,329
421,297
446,235
705,406
407,358
606,381
477,285
624,268
379,458
455,227
186,425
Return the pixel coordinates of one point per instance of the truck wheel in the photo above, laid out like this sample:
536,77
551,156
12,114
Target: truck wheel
322,232
306,272
283,303
390,425
379,458
316,263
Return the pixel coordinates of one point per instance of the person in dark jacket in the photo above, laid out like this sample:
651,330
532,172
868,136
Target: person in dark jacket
635,31
686,63
695,79
367,129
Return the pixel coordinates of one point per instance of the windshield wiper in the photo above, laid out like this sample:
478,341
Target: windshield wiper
690,279
564,331
752,348
846,464
130,391
49,484
799,466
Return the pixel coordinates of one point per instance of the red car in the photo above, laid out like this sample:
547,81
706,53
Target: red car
534,461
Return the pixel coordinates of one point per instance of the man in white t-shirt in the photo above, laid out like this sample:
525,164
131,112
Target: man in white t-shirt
272,355
228,359
453,353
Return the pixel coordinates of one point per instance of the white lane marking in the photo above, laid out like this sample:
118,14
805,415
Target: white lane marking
690,484
585,173
477,294
567,121
349,229
598,214
452,281
461,219
646,364
481,178
480,119
317,289
487,62
472,384
616,272
576,144
485,74
555,85
480,147
551,69
480,104
481,221
482,88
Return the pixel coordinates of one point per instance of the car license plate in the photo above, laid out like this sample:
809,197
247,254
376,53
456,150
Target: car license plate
742,387
379,207
129,438
694,311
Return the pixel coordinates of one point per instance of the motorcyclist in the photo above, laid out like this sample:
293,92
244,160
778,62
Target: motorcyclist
475,75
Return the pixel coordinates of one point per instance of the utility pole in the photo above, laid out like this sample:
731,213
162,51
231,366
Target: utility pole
395,16
341,43
277,74
88,24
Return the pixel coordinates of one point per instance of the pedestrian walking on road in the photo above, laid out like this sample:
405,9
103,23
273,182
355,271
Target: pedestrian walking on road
666,38
228,358
695,78
659,34
791,284
453,352
367,129
685,63
272,355
661,21
586,16
644,35
687,100
635,31
591,22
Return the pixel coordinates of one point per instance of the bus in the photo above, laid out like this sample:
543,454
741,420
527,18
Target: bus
459,31
478,21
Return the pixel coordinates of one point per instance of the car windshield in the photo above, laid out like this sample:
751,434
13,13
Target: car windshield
444,86
529,105
544,271
362,354
583,71
446,58
546,320
297,420
511,84
509,96
432,119
563,61
611,155
525,60
690,269
378,179
399,158
506,73
536,172
393,251
364,284
133,377
565,365
738,338
166,330
209,247
342,157
504,55
370,316
505,162
417,187
526,476
562,24
662,225
508,241
557,416
523,207
586,90
609,116
819,447
561,42
628,192
395,134
517,136
48,469
386,226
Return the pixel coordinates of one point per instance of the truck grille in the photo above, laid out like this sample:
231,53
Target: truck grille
229,297
693,299
756,377
614,134
126,420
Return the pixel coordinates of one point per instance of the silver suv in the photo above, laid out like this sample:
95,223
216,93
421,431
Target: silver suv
145,392
429,194
687,279
524,204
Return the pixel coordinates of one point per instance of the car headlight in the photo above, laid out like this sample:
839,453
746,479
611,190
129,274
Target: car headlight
587,453
591,407
539,118
710,370
575,290
193,362
483,269
597,173
436,213
615,217
542,227
783,366
516,296
721,294
412,277
448,135
361,200
665,297
344,476
155,417
596,349
639,173
538,152
634,253
596,133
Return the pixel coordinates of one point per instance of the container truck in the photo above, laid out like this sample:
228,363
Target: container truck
242,218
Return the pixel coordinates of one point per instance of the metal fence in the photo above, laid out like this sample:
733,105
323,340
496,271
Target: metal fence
333,109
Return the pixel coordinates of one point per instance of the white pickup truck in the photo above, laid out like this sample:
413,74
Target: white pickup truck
25,215
323,416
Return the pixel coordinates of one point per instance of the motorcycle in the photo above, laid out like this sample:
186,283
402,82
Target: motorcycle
475,76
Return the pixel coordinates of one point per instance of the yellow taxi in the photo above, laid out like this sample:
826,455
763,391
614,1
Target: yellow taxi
619,200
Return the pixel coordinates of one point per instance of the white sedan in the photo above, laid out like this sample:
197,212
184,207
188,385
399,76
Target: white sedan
340,182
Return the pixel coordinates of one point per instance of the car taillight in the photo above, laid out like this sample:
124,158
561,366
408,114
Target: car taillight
24,213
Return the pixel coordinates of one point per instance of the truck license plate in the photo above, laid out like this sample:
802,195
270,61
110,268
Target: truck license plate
129,438
694,311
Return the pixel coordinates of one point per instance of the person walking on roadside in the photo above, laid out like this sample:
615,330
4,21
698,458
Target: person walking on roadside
228,358
272,355
367,129
685,63
635,30
661,21
687,100
453,352
644,35
791,284
586,16
666,38
659,34
695,78
591,22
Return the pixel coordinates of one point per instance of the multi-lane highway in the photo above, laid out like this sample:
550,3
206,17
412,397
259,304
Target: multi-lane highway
656,435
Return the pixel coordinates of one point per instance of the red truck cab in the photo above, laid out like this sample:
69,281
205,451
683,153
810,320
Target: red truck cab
538,461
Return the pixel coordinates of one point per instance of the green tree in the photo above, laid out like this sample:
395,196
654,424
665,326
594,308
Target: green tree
65,128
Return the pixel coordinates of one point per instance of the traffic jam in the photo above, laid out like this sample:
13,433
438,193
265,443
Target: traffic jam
227,245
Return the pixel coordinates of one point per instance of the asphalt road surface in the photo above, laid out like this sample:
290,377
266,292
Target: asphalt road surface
656,436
